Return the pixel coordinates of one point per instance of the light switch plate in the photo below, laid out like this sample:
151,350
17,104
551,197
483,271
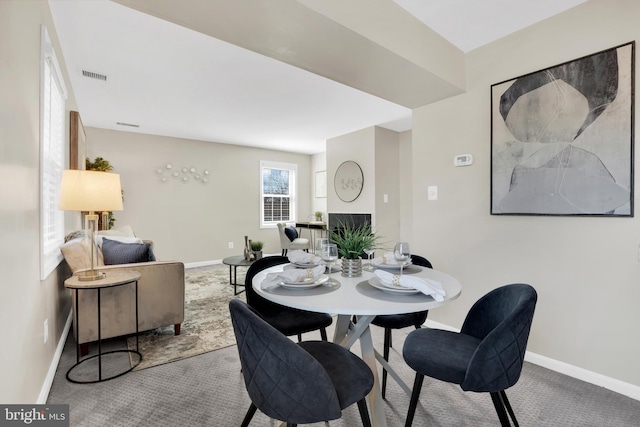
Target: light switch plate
432,192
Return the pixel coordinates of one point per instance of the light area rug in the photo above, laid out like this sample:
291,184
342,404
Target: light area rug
206,327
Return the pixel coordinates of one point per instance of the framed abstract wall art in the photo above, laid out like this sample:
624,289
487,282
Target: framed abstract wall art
562,138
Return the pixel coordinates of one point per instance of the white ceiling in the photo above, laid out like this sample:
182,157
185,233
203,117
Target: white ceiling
173,81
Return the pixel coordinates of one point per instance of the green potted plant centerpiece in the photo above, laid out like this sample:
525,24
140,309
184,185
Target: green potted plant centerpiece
351,241
256,248
318,215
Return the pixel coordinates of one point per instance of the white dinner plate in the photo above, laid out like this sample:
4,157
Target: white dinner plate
390,266
304,265
305,284
376,283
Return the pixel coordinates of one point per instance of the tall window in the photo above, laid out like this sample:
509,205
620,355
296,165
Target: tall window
278,193
52,124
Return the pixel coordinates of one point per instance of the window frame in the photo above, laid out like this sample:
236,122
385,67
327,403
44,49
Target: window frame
52,151
293,194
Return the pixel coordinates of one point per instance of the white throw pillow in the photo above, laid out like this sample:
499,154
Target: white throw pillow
125,231
121,239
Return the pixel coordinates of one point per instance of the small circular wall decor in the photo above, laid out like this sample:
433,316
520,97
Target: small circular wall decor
348,181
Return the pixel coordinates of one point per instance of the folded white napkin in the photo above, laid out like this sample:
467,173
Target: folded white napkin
302,257
387,259
426,286
293,275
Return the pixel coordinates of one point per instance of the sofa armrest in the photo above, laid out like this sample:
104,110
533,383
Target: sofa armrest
161,297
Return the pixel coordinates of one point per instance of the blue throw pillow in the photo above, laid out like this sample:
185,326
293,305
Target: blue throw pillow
126,253
291,232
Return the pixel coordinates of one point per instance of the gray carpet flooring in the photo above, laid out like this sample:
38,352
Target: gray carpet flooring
208,390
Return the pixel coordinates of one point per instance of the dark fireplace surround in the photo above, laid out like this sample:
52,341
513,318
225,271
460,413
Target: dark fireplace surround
353,219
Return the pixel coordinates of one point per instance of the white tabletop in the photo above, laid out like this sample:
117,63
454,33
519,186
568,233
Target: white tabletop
355,296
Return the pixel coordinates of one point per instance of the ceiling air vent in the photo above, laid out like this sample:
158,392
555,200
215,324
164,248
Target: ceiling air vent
92,75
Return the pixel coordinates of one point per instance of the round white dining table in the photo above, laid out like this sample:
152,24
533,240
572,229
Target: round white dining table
355,296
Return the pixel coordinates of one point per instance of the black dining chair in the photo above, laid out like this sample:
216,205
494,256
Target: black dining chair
485,356
289,321
399,321
302,383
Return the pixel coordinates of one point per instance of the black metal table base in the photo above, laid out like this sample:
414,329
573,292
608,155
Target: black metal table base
100,379
100,352
234,280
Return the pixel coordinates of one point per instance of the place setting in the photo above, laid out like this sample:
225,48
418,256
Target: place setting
305,273
399,259
302,259
388,281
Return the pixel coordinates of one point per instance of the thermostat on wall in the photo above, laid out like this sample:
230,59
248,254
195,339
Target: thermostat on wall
463,160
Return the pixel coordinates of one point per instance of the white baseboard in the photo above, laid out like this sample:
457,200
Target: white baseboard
213,262
202,263
48,381
621,387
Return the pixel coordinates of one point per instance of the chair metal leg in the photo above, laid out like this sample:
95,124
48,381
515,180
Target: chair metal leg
364,413
499,405
507,405
385,356
323,334
299,337
415,395
250,413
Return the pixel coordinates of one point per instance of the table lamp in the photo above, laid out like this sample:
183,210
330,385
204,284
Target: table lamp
90,191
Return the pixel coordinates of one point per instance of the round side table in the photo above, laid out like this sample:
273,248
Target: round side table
234,262
111,279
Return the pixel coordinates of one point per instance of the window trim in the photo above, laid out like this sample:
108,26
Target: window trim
50,255
293,191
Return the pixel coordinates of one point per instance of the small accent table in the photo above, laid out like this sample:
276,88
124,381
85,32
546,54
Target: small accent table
234,262
312,226
112,279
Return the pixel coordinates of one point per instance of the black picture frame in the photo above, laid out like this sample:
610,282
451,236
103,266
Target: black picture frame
562,138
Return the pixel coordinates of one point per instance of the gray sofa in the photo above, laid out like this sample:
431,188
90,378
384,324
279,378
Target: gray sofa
161,291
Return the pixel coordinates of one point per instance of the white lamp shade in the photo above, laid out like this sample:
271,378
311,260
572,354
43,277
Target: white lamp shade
90,191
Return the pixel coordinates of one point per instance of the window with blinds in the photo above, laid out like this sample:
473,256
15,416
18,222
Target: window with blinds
277,193
52,125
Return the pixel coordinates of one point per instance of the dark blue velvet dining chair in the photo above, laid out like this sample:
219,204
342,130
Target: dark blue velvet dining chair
302,383
399,321
486,356
289,321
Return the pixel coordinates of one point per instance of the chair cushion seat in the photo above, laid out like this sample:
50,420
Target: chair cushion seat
291,321
399,321
439,354
350,375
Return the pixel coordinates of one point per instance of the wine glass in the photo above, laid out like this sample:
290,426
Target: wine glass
369,251
319,245
329,254
401,253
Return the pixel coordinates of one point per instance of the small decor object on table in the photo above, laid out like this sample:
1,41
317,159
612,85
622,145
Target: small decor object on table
318,215
248,255
352,241
256,249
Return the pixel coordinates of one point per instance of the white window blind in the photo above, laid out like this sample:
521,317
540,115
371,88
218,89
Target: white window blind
52,125
277,193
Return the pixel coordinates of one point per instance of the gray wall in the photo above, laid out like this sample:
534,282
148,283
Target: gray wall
25,300
194,222
586,270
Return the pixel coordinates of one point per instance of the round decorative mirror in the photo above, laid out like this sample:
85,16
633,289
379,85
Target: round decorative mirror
348,181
